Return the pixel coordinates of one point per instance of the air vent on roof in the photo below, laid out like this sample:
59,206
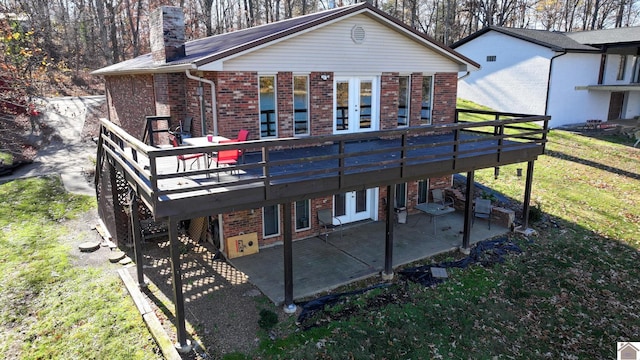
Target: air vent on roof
358,34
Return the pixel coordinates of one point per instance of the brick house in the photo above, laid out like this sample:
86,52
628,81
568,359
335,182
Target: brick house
302,77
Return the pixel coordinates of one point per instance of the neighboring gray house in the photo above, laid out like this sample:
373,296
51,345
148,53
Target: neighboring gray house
572,77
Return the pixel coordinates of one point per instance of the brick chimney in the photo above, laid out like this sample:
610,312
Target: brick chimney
167,34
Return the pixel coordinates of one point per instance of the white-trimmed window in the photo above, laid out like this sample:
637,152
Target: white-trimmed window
404,98
300,105
427,100
268,115
401,195
621,67
303,214
271,220
423,191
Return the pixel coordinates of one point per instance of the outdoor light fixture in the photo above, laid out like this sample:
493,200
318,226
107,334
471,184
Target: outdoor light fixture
324,77
519,172
496,172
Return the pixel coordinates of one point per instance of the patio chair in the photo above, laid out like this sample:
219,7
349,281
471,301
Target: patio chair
185,158
243,135
185,127
439,197
325,221
227,157
482,209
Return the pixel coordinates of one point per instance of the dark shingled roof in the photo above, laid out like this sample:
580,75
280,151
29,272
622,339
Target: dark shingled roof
556,41
607,36
212,48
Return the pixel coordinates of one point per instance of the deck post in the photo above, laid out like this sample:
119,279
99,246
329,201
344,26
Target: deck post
137,243
468,212
289,307
387,274
183,344
524,228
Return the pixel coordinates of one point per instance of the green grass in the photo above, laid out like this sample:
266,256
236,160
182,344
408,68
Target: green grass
6,158
49,307
572,293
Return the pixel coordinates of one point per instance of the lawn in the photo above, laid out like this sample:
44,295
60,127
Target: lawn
572,293
51,308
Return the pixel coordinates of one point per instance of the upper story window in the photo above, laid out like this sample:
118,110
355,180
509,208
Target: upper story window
301,105
621,67
491,58
404,91
425,112
268,119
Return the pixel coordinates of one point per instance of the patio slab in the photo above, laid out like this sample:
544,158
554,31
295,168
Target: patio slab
355,254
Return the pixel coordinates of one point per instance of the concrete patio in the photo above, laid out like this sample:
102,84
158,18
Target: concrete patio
356,252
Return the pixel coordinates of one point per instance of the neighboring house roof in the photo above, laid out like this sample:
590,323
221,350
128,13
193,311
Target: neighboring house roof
214,48
608,36
556,41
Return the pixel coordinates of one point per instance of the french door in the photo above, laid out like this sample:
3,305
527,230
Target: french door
354,206
355,104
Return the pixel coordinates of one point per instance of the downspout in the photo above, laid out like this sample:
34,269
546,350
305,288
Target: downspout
214,111
546,102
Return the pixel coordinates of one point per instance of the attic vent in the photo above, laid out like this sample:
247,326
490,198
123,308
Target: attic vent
358,34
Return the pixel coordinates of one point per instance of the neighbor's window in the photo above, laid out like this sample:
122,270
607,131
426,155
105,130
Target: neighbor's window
401,195
303,214
635,76
271,220
423,191
301,105
425,113
491,58
268,123
404,92
621,67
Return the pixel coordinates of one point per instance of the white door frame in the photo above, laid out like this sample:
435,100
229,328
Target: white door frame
370,212
353,103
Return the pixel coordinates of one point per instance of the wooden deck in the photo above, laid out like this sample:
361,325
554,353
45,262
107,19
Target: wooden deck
287,170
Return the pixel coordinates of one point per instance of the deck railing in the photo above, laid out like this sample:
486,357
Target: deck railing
150,171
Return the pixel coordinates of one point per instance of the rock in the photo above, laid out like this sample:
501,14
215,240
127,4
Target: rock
89,246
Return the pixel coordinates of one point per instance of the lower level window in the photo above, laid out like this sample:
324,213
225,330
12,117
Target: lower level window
271,220
303,213
423,191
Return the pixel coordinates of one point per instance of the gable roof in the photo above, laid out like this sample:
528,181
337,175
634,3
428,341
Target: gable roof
217,47
555,41
607,36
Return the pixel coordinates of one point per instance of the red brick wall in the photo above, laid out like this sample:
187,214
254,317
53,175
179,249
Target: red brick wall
284,106
444,98
389,87
238,103
130,99
321,104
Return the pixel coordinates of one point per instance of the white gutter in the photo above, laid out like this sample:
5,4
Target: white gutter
213,99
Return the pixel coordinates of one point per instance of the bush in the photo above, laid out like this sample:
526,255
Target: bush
535,213
268,319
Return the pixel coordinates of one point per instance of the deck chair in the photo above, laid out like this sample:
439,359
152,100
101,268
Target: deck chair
439,197
482,209
227,157
185,127
243,135
325,221
185,158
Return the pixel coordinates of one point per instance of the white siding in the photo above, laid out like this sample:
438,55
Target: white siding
515,82
632,105
330,48
568,105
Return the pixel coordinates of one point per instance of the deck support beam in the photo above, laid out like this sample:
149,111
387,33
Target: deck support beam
183,344
387,274
289,307
468,212
137,243
524,228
